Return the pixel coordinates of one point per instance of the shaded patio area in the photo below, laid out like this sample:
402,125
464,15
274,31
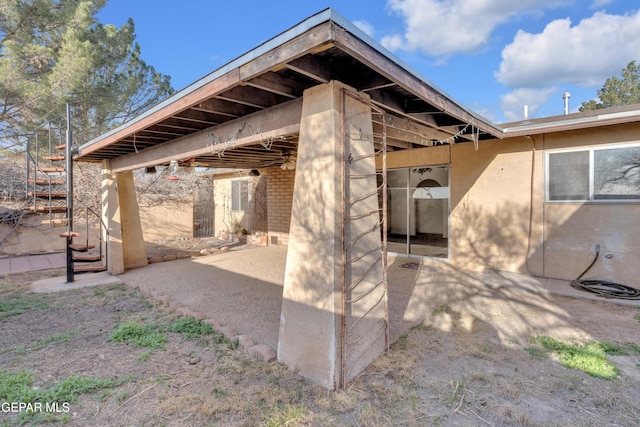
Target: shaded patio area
241,290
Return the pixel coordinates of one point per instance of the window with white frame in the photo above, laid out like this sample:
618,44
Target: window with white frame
239,195
594,174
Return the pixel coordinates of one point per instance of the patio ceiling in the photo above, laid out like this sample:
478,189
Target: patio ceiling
247,113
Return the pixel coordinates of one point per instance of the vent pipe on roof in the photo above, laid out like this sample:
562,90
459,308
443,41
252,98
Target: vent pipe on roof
526,112
566,97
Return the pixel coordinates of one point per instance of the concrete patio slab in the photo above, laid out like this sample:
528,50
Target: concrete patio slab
57,284
240,292
21,264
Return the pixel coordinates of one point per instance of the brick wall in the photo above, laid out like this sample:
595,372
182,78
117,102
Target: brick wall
279,203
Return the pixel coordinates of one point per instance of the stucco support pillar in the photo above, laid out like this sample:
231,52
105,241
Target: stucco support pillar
320,317
125,246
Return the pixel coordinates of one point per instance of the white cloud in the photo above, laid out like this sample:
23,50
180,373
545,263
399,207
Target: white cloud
585,54
365,26
444,27
393,42
597,4
513,102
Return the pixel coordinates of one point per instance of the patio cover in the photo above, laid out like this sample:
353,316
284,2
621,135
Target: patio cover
246,114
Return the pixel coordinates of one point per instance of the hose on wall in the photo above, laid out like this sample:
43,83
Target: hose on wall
604,288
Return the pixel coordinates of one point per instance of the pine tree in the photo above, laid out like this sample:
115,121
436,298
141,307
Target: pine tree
55,51
618,91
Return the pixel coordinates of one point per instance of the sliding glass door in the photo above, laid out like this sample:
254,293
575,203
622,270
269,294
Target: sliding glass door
418,211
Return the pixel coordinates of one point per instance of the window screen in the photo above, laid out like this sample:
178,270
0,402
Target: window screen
569,176
616,173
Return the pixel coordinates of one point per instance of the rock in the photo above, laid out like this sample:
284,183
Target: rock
262,352
155,259
228,331
245,342
194,361
169,257
205,251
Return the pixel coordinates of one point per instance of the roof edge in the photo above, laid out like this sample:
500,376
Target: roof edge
604,119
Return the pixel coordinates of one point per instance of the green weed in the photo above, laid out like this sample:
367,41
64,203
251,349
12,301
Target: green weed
142,335
60,338
590,358
633,347
444,308
144,356
16,304
19,387
194,329
537,353
191,328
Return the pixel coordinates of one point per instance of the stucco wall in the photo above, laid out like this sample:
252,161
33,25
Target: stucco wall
167,220
490,199
32,236
490,202
571,230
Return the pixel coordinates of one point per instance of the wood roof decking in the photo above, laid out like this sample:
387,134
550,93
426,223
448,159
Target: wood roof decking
246,114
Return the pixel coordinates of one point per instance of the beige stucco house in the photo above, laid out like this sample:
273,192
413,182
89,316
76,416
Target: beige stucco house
353,155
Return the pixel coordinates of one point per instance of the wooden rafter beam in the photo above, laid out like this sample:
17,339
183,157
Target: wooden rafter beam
170,126
408,130
283,119
222,108
274,83
250,96
310,68
163,112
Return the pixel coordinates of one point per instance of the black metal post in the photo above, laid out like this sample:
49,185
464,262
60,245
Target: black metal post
69,168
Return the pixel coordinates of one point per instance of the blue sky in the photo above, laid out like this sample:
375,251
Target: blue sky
493,56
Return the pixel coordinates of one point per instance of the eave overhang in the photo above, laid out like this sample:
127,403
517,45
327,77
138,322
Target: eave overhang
273,76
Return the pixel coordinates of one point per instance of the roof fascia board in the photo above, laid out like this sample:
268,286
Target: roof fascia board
573,124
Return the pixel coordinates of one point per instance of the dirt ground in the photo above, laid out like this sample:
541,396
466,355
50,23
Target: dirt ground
456,368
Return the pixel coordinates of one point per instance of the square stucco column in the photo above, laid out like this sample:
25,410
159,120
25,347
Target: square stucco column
125,246
318,308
